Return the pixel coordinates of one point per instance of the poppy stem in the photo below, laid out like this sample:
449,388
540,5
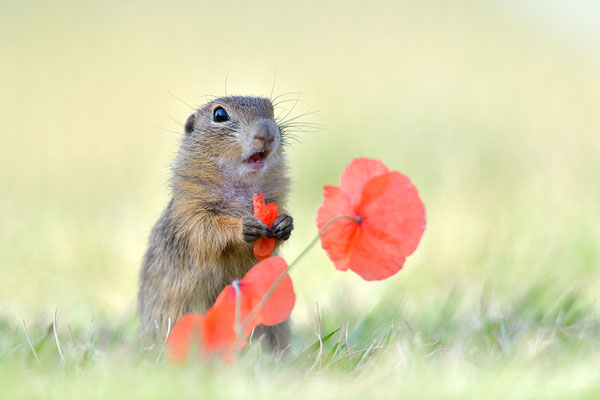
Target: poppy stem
238,311
316,238
280,278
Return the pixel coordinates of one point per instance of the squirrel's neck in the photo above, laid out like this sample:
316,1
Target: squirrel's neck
212,183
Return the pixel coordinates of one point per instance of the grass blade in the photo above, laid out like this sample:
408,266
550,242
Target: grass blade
315,346
31,344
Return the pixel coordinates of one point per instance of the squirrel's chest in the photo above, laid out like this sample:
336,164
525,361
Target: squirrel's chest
240,195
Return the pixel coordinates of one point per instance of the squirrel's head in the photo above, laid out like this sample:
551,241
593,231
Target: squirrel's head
237,134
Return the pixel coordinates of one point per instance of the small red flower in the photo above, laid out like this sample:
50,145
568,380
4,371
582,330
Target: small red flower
253,287
389,220
215,332
263,247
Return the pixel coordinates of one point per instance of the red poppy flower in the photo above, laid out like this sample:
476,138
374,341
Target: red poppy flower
189,329
389,220
215,332
263,247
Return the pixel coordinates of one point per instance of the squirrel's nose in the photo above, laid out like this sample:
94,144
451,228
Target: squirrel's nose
265,130
264,139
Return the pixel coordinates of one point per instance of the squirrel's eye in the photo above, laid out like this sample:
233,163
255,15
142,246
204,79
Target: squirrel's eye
220,115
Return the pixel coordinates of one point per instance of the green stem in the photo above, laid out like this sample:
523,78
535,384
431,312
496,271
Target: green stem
280,278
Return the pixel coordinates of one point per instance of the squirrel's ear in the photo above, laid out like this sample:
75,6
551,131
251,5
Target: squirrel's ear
189,124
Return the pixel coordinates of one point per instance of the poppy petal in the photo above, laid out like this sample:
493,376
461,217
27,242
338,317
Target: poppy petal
394,204
253,287
257,283
393,221
338,239
219,329
263,248
258,201
180,340
267,213
357,174
270,214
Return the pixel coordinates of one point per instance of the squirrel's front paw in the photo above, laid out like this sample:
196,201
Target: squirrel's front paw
253,229
282,227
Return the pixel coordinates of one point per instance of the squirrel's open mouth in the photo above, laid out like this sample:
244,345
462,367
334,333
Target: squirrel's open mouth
257,160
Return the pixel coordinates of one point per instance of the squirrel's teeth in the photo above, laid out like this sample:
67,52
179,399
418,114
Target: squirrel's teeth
255,157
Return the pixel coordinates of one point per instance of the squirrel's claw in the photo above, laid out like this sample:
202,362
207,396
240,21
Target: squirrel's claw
282,227
253,229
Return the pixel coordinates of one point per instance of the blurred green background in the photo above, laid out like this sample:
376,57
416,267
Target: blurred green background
491,108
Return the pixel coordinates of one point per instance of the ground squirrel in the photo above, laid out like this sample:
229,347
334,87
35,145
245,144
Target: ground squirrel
231,149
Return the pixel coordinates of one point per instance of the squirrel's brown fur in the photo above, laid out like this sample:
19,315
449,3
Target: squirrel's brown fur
204,238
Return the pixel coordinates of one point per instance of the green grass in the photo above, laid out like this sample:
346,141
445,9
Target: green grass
458,350
489,107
